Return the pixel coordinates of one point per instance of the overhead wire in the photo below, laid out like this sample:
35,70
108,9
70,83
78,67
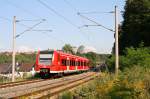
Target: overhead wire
24,10
75,9
7,19
95,22
21,8
45,33
28,29
94,12
21,24
58,14
53,37
61,16
79,13
83,31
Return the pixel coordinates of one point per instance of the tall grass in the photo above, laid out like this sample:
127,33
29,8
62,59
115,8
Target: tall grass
133,81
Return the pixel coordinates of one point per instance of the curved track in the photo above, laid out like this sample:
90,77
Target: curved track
11,84
27,89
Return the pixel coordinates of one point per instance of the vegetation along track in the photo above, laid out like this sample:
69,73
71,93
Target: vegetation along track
40,88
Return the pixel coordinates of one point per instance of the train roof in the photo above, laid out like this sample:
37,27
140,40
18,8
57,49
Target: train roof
70,55
63,54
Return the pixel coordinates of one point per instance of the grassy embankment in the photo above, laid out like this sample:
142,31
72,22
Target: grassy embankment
133,81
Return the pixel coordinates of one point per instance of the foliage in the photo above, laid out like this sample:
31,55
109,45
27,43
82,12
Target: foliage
128,85
133,56
94,58
66,95
135,28
5,58
68,49
132,85
80,49
21,58
4,79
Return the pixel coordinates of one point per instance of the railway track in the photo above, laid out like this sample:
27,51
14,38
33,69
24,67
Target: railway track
43,88
11,84
59,88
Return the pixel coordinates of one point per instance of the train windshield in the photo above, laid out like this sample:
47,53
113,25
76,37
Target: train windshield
46,57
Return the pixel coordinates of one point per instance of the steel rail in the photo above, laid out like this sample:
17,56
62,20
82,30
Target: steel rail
55,88
29,89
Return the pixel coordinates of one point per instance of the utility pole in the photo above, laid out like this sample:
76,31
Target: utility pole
13,49
116,42
116,35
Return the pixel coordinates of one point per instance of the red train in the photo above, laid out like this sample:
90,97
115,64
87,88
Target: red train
50,62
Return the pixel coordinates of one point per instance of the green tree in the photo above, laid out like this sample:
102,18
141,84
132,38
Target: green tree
80,49
135,27
92,57
68,49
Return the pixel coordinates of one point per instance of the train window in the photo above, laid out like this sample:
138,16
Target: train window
63,62
74,63
58,57
45,57
70,62
78,63
81,63
67,62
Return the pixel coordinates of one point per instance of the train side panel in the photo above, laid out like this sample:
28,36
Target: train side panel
59,62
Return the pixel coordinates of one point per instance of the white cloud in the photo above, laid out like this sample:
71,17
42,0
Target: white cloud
24,49
89,49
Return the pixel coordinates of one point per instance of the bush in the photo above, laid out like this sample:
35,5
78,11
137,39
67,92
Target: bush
21,58
132,83
67,95
128,85
134,56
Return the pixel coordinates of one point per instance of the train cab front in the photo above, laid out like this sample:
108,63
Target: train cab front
44,63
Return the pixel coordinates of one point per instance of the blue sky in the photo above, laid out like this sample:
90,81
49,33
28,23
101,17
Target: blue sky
62,31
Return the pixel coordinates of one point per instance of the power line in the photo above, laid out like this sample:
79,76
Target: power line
30,20
77,11
96,12
73,7
21,8
28,29
61,16
31,28
94,22
9,20
58,14
55,38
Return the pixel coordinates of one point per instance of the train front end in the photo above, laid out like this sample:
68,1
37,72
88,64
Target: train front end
44,62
